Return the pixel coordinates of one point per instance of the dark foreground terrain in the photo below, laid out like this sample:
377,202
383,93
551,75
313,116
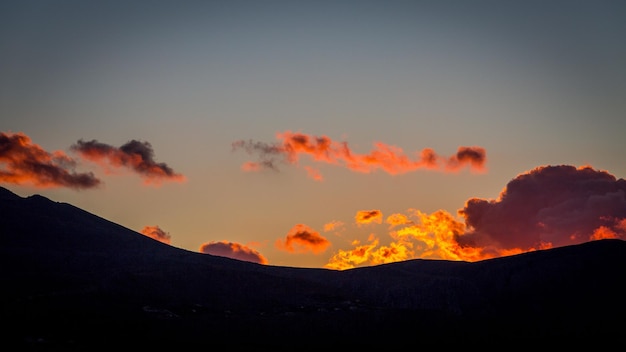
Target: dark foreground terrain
74,281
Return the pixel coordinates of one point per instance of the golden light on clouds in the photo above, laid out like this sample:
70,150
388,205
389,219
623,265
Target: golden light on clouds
156,233
302,239
321,149
368,216
23,162
548,206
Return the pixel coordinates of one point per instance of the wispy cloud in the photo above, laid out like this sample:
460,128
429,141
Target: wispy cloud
134,155
333,225
388,158
23,162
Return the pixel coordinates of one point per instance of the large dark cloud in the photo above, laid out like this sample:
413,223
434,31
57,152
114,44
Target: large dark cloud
549,206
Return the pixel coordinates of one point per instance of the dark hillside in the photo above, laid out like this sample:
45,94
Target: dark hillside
75,281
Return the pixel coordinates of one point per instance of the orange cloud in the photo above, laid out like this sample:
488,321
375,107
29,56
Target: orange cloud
234,251
430,236
547,207
388,158
397,220
368,216
394,252
135,155
302,239
314,173
434,236
603,232
347,259
250,166
156,233
23,162
617,229
333,225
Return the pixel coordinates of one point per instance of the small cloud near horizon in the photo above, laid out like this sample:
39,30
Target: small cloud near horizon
233,250
156,233
302,239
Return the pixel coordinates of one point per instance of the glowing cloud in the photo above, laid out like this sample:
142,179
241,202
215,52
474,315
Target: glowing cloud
302,239
397,220
549,206
333,225
156,233
234,251
388,158
371,254
427,236
135,155
23,162
368,216
346,259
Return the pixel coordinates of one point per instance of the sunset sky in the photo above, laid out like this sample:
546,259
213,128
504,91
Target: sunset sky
318,134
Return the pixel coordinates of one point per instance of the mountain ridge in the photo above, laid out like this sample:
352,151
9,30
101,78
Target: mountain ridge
73,278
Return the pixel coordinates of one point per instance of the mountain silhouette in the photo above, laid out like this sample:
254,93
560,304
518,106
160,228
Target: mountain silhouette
73,281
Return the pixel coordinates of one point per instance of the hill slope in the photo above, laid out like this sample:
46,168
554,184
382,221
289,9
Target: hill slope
75,281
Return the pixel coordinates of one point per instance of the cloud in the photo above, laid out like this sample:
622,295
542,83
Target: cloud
388,158
267,154
425,236
333,225
234,251
475,157
347,259
135,155
156,233
302,239
549,206
23,162
314,173
397,220
368,216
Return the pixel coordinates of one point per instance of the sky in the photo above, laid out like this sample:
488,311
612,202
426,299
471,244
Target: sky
323,134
